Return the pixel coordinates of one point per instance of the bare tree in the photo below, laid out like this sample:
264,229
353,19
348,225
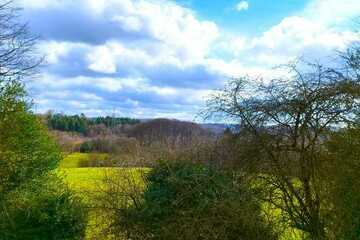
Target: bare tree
289,119
170,133
18,57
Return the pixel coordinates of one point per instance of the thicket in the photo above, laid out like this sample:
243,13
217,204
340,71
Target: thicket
34,204
343,176
183,200
43,208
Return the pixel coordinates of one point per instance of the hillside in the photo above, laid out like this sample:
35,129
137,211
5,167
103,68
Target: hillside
169,132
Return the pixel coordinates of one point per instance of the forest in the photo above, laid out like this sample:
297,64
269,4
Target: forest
286,165
81,124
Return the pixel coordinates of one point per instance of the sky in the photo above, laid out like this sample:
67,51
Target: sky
163,58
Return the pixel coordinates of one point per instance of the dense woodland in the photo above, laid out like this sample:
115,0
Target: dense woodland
289,168
82,124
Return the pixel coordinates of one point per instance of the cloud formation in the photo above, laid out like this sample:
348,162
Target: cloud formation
242,5
155,58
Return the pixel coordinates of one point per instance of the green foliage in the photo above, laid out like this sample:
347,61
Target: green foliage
80,123
31,206
42,209
100,145
344,179
114,121
62,122
26,150
190,201
86,147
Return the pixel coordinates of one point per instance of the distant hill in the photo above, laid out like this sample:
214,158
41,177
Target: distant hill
164,128
169,132
216,128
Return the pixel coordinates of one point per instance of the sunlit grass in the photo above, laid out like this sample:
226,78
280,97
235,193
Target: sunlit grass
85,182
84,179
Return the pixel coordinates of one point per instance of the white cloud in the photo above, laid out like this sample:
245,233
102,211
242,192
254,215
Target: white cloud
90,97
315,33
101,59
298,32
56,83
158,35
107,57
54,50
177,28
67,95
332,12
129,23
242,5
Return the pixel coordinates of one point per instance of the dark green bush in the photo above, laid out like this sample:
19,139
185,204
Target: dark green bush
26,150
32,206
190,201
343,181
99,145
43,209
86,147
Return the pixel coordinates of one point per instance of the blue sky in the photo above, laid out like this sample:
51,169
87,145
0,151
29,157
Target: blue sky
162,58
259,15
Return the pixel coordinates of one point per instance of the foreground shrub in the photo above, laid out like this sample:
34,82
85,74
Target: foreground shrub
31,206
189,201
26,150
343,180
43,209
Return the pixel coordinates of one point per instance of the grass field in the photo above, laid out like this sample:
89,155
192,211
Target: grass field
84,178
86,182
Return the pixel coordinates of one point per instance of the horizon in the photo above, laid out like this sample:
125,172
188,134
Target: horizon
211,122
162,58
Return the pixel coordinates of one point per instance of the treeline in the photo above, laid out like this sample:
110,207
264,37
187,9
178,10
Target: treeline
157,133
81,123
61,122
111,122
